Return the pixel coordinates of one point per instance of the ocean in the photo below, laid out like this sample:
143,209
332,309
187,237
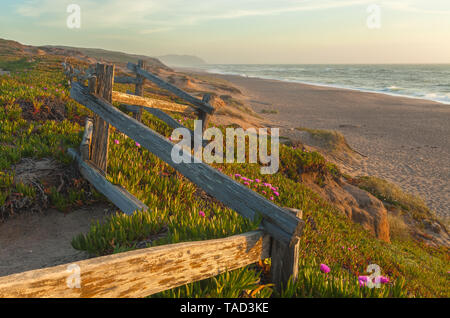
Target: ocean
424,81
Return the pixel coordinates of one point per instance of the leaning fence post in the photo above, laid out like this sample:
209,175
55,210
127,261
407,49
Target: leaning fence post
102,86
285,259
139,89
204,116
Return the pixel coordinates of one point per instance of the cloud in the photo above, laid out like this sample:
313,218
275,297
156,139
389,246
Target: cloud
152,16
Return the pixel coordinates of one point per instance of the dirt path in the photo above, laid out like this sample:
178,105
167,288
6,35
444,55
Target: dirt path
36,241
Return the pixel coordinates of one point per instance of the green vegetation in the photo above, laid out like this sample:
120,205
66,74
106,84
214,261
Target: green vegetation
179,211
269,111
328,140
392,194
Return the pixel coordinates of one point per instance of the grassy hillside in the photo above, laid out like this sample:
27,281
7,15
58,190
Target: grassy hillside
38,119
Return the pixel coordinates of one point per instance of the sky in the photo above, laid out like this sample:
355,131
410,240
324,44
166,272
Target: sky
243,31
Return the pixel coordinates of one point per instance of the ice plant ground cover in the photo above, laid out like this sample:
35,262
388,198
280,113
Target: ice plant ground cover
31,127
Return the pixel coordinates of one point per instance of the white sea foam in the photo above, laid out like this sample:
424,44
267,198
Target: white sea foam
429,82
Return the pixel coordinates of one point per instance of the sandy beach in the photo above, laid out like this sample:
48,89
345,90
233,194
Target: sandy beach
406,140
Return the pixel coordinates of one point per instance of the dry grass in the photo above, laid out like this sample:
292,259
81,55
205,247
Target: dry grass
392,194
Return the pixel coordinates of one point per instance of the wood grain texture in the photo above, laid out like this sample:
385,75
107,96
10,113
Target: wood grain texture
100,137
125,80
142,272
204,116
87,137
165,118
285,260
171,88
277,221
120,197
139,89
149,102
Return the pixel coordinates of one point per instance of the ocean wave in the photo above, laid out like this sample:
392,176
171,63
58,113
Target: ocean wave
412,82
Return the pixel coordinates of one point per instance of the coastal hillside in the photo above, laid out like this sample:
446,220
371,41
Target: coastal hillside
347,219
181,60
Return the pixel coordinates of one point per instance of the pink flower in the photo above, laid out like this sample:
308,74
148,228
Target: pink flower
170,138
244,178
324,268
201,213
362,280
45,88
138,144
271,198
383,280
273,189
116,141
237,175
257,180
263,192
246,183
276,193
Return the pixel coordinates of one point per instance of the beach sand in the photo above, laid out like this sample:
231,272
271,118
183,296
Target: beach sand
406,141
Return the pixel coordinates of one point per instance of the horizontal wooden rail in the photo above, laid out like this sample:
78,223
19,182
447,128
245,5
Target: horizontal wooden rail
278,222
121,198
165,118
125,80
149,102
171,88
143,272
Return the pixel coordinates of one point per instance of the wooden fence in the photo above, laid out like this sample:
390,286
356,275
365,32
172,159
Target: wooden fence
151,270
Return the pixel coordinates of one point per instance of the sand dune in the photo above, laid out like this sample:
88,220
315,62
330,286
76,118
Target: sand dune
406,140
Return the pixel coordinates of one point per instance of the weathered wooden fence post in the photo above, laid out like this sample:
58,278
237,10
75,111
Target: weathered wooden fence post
139,89
101,85
285,259
204,116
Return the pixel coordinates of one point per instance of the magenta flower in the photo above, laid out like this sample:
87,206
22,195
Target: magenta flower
246,183
138,144
45,88
276,193
324,268
116,141
170,138
244,178
237,175
383,279
271,198
201,213
263,192
257,180
362,280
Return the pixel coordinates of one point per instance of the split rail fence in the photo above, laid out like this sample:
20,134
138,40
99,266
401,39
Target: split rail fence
147,271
